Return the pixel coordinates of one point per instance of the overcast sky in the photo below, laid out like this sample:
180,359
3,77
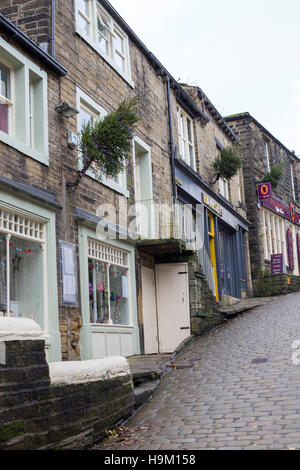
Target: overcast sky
245,55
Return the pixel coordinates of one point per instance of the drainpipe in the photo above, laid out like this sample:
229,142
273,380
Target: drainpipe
53,28
167,79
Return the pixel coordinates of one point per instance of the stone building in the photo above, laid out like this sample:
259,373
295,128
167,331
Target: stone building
115,288
273,230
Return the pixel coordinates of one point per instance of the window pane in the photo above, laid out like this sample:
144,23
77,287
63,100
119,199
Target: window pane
5,81
85,117
4,112
83,6
191,152
26,280
98,293
120,62
190,132
83,25
118,295
104,44
119,43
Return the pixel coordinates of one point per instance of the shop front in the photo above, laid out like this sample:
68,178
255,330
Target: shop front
27,266
223,233
281,234
108,294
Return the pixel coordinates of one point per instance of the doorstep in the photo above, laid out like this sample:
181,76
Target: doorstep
244,305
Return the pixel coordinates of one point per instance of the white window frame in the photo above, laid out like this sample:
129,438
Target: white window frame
292,181
224,188
267,154
22,71
110,256
92,38
120,186
183,136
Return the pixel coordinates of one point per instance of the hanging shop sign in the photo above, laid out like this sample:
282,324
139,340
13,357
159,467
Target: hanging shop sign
213,205
68,273
264,191
290,249
277,264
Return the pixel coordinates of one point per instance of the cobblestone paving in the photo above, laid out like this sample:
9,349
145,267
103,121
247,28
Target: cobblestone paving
221,399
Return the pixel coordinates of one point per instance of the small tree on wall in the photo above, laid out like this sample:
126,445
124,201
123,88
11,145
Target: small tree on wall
105,145
227,163
274,175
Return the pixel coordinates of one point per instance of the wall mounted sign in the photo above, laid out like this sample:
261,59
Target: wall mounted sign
290,249
213,205
68,273
292,212
264,191
277,264
178,181
288,212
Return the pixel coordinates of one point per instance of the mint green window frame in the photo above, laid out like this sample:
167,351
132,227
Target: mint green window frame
46,216
84,234
24,72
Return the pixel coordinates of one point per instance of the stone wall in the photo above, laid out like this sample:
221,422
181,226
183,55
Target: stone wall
37,415
203,306
266,285
251,136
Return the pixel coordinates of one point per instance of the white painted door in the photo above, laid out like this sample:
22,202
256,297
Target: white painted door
173,310
149,311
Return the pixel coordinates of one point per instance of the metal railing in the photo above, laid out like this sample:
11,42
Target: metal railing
169,218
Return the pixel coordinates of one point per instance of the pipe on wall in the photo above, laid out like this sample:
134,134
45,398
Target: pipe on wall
53,28
171,136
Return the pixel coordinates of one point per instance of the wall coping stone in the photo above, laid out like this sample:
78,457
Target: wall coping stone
19,329
66,373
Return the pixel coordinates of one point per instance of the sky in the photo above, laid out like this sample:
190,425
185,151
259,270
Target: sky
245,55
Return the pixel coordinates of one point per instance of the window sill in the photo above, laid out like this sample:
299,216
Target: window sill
110,184
98,326
21,147
97,49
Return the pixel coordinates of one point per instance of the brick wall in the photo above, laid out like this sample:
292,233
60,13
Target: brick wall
37,415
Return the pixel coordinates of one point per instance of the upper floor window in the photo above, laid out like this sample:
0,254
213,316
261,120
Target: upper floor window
224,188
90,112
186,138
100,30
23,104
292,181
267,154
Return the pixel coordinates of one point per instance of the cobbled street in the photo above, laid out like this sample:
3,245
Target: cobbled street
235,388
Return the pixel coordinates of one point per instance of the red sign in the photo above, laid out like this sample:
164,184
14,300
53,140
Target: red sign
277,264
290,249
264,191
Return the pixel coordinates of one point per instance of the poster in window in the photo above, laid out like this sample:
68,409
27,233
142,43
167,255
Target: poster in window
68,274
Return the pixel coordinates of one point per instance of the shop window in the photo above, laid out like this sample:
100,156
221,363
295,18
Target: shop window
186,138
21,266
108,284
23,104
100,30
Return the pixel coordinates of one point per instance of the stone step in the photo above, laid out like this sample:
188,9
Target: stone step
142,377
144,391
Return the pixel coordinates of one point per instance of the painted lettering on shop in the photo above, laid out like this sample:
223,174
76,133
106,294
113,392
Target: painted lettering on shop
213,205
